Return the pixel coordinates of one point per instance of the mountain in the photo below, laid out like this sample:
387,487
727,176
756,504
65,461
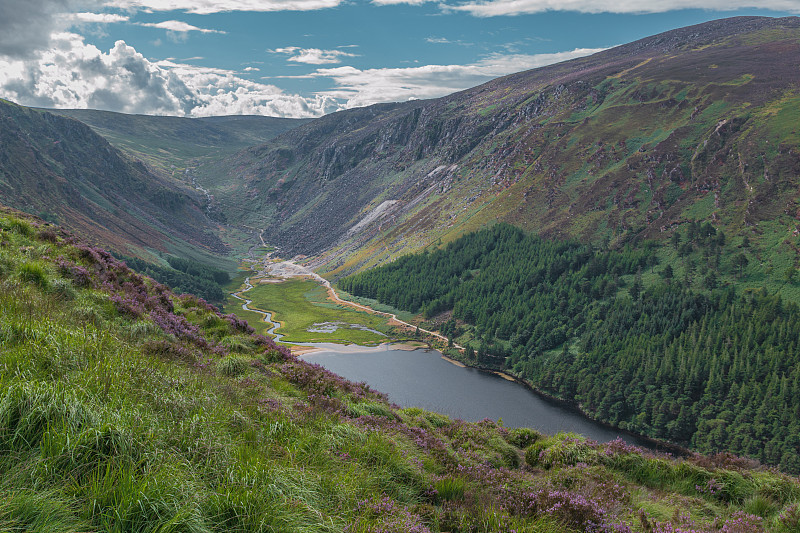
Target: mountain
124,407
164,142
695,124
58,168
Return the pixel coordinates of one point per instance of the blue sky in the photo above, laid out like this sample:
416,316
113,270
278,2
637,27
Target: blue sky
303,58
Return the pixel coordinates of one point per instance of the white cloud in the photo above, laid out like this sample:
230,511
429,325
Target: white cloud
313,56
396,2
100,18
205,7
73,74
445,40
26,26
176,26
364,87
493,8
251,69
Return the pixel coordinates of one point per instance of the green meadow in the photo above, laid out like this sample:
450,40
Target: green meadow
301,306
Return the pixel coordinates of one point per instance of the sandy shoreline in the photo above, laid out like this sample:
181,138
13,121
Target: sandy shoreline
402,346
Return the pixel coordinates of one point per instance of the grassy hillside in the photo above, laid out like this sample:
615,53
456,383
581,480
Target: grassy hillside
59,169
167,142
696,124
126,408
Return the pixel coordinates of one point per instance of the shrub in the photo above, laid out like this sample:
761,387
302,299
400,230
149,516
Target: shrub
534,451
562,450
370,409
19,226
523,437
39,511
450,488
789,519
28,409
144,328
88,313
507,455
48,235
272,356
5,266
236,343
760,505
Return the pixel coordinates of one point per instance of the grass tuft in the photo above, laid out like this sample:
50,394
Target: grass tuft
234,366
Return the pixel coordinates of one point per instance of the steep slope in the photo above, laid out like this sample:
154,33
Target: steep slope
164,141
60,169
126,408
693,124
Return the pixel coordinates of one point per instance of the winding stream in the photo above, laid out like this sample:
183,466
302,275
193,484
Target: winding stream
265,315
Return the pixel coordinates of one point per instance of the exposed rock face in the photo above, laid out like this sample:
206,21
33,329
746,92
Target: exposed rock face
628,142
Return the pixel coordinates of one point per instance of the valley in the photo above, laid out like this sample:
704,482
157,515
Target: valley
619,233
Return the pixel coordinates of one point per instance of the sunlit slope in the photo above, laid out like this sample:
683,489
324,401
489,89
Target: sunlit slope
167,142
693,124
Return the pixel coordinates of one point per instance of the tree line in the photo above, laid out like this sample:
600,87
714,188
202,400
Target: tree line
185,275
709,368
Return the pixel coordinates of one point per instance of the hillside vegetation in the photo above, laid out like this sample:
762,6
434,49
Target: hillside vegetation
695,124
664,351
168,142
126,408
58,168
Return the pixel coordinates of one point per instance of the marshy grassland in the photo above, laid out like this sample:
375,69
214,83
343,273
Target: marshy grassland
303,309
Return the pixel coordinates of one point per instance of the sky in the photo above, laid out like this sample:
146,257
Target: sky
307,58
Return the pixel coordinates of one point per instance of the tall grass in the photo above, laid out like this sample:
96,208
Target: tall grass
180,422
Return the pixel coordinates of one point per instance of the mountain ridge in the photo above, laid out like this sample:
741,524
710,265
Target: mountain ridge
451,165
61,169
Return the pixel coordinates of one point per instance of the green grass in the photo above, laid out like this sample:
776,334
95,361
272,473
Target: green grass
108,423
300,304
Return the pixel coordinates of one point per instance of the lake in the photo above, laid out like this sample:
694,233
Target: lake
422,378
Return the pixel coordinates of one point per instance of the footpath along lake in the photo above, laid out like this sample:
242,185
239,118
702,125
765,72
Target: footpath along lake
422,378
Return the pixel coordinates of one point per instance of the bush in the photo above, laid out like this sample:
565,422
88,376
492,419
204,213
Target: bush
533,451
19,226
357,410
143,329
63,289
272,356
48,235
523,437
760,505
789,519
38,511
450,488
27,410
562,450
238,344
88,313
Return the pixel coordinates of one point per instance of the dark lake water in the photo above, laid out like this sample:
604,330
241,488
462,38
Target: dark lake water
422,378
